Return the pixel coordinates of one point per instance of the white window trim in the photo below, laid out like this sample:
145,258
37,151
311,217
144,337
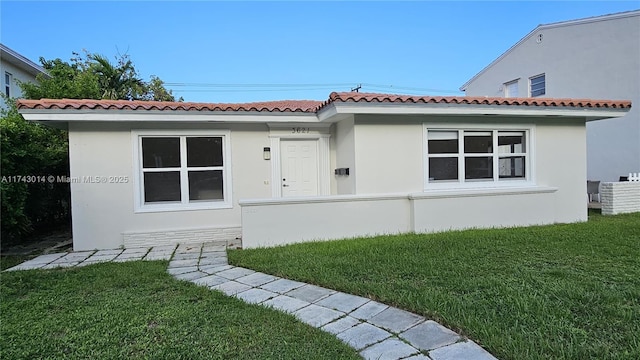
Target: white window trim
8,83
529,180
138,184
506,85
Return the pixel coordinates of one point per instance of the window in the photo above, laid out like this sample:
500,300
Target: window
511,89
476,156
537,85
7,84
183,171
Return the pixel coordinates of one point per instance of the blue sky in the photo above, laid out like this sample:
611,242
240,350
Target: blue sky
213,51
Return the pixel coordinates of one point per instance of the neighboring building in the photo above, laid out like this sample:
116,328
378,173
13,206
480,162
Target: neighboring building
15,67
597,57
151,173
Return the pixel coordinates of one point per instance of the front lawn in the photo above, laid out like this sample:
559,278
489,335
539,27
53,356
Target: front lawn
136,310
567,291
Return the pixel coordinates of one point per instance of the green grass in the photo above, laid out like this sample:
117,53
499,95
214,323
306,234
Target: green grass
569,291
136,310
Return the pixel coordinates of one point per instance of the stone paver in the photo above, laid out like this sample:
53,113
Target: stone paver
231,288
285,303
341,325
374,329
463,350
390,349
369,310
282,286
256,296
396,320
317,316
310,293
235,273
430,335
363,335
343,302
256,279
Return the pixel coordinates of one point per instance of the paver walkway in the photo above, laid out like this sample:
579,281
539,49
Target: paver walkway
375,330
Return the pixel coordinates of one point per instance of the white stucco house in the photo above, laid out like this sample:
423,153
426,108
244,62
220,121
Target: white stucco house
15,67
596,57
263,174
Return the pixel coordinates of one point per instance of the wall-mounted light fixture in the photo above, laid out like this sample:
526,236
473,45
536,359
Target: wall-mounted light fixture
266,153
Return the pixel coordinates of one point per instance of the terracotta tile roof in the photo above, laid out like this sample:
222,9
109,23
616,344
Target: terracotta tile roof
269,106
313,106
471,100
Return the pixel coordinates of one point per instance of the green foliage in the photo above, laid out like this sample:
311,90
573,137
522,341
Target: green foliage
30,149
93,76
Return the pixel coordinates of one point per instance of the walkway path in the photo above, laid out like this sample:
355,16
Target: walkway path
375,330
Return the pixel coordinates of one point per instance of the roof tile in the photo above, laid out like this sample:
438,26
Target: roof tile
313,106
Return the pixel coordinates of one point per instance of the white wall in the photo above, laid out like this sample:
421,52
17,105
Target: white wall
18,74
103,213
597,60
345,157
285,221
388,151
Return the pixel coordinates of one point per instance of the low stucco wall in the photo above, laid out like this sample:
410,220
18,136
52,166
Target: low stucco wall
620,197
286,221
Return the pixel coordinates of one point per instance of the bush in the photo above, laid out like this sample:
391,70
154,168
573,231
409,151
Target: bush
33,150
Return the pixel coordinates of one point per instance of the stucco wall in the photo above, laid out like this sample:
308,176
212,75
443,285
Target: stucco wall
18,74
103,213
388,153
345,157
597,60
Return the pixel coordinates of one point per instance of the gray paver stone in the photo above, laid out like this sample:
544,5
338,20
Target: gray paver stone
463,350
256,279
255,296
182,270
59,265
136,251
396,320
189,248
430,335
282,286
157,256
101,257
213,269
343,302
285,303
25,266
231,288
167,248
368,310
210,280
213,261
183,263
341,325
235,272
186,256
131,256
417,357
390,349
310,293
190,276
108,252
317,316
363,335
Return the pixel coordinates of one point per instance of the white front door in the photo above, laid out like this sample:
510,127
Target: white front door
299,165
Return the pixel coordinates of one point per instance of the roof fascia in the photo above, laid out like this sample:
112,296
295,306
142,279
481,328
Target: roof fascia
478,110
61,115
546,27
21,62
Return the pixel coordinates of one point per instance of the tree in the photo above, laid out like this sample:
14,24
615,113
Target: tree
37,151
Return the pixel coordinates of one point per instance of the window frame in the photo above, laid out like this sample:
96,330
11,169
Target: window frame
544,88
183,205
8,79
506,85
496,181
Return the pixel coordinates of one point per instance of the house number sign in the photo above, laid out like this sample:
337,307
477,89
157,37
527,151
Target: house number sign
300,130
